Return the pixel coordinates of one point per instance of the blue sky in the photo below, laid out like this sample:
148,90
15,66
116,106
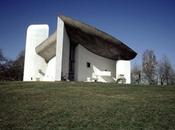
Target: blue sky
141,24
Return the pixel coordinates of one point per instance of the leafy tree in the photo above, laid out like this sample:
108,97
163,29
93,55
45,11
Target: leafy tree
149,67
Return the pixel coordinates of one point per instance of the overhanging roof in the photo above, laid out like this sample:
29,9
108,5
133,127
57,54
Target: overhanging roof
91,38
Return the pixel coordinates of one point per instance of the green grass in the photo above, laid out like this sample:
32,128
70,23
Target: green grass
85,106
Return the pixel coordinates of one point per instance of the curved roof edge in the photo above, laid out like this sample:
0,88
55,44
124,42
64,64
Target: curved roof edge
97,41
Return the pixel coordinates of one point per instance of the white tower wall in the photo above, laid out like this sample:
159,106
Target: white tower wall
123,68
34,65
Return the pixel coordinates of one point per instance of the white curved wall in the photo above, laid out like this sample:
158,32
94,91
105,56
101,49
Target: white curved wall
101,69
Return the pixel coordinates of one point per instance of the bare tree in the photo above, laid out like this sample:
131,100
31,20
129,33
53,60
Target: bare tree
3,61
11,69
172,79
136,74
17,67
2,58
166,72
149,67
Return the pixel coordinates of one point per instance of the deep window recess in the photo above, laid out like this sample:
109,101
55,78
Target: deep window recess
88,65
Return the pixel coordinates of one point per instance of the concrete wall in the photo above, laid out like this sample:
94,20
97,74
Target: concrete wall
123,68
34,65
101,69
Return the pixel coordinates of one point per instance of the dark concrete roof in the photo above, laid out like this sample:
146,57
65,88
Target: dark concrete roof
92,39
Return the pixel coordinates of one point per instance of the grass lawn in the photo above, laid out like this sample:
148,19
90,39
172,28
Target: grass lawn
85,106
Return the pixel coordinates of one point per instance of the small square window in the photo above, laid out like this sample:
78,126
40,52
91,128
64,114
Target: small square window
88,65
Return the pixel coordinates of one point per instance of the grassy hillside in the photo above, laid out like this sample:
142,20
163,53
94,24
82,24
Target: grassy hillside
85,106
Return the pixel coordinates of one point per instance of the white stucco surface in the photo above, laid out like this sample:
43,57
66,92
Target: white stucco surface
34,65
123,68
101,69
50,70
